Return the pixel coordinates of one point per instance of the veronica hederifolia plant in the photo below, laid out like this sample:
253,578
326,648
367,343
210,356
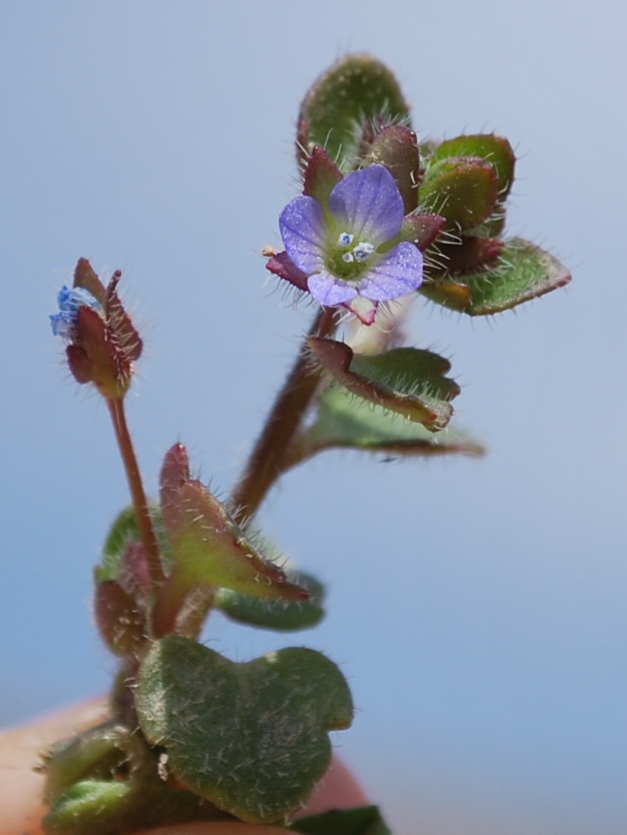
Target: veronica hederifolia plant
381,219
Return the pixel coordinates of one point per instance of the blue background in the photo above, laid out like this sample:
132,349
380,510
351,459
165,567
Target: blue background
477,607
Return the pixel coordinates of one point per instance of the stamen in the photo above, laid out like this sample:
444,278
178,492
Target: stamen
345,239
348,257
363,250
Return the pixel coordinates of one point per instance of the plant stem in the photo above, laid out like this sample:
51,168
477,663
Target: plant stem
138,495
265,463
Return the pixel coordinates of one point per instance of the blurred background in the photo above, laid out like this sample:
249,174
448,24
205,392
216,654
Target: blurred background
477,607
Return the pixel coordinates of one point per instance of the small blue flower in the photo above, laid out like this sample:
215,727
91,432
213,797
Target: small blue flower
69,301
346,249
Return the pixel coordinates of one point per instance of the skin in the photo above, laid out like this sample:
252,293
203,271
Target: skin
21,787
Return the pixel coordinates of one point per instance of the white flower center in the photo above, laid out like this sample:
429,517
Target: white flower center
360,252
363,250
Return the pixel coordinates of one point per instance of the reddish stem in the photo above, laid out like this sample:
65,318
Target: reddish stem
265,463
140,503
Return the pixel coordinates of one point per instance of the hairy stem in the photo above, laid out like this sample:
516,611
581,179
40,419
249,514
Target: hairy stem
138,495
265,463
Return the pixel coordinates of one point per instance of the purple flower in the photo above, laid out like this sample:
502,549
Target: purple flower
348,252
69,301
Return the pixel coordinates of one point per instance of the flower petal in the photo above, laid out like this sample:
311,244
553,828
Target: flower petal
303,232
330,291
399,272
368,204
62,324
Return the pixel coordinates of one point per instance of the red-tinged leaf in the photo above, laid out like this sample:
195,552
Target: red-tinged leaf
209,549
470,254
175,472
422,229
280,264
108,366
522,272
120,621
404,380
321,176
79,364
134,569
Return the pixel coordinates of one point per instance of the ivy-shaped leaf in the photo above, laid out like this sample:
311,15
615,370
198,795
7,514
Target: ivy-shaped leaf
522,272
346,422
280,615
251,738
365,820
405,380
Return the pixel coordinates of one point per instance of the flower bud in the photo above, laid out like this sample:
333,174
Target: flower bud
103,341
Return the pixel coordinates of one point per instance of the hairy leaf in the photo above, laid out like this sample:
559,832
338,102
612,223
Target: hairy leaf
347,422
464,190
488,146
405,380
281,615
209,549
522,272
251,738
356,91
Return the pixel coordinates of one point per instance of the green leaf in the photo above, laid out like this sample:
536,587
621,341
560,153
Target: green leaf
355,91
97,753
281,615
365,820
346,422
488,146
251,738
464,190
107,781
95,806
123,531
405,380
523,272
209,549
